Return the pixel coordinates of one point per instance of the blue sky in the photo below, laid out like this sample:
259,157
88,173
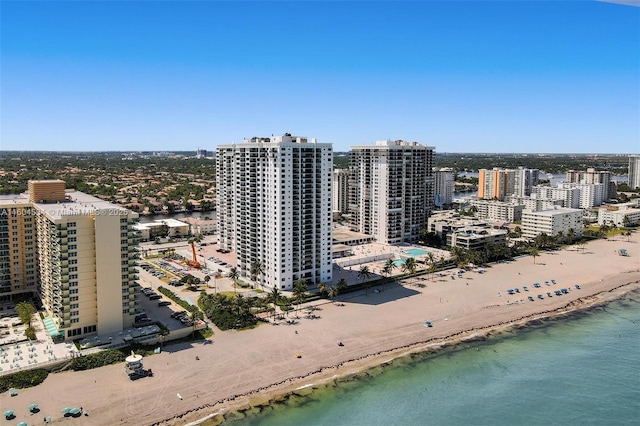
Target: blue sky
510,76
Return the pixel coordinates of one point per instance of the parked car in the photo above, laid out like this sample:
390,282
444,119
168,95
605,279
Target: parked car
164,303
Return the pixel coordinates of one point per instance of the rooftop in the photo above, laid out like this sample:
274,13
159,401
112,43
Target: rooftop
79,204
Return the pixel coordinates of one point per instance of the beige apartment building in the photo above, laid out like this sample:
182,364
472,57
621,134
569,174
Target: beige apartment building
77,251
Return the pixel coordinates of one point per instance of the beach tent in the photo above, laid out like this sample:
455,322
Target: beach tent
33,407
65,410
8,414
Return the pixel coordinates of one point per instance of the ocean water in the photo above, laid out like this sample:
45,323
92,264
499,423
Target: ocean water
577,371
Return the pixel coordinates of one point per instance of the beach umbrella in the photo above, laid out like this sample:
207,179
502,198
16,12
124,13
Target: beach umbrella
8,413
65,410
33,407
74,411
22,424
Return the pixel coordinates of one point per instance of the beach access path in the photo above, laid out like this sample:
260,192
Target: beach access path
237,368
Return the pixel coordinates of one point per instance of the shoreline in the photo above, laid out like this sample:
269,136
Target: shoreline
197,382
237,406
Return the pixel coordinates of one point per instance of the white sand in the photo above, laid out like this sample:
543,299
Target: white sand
238,368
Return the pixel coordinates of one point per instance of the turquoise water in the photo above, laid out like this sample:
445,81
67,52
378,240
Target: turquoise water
399,263
416,252
581,371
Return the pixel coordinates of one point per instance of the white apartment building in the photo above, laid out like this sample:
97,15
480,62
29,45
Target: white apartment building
525,180
570,196
592,176
619,215
497,210
551,222
274,208
443,187
534,203
341,190
391,190
83,251
591,194
634,171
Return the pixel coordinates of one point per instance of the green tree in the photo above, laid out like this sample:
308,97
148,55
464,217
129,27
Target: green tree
409,266
364,275
322,288
274,296
534,253
256,270
234,275
333,292
342,285
25,312
300,288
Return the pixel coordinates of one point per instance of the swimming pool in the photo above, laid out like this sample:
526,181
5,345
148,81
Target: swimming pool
399,263
416,252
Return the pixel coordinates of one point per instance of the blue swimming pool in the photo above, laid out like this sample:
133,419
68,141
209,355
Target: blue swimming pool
399,263
416,252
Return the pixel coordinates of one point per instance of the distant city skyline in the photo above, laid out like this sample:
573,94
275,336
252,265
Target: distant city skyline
551,77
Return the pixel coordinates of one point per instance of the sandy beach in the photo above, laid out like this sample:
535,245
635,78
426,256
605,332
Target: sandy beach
237,369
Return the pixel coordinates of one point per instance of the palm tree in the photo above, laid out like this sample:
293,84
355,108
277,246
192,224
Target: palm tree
256,270
409,266
459,256
534,253
390,265
300,288
322,288
207,278
571,235
333,292
386,271
342,284
364,274
234,275
274,297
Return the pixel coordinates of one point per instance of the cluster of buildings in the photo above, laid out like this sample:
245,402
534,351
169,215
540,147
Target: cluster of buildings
277,195
276,199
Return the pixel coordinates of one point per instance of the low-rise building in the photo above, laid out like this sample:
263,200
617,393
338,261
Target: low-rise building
201,226
552,222
497,210
619,215
476,237
535,203
162,228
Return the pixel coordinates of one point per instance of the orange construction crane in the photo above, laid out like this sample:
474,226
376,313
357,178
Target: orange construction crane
194,263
